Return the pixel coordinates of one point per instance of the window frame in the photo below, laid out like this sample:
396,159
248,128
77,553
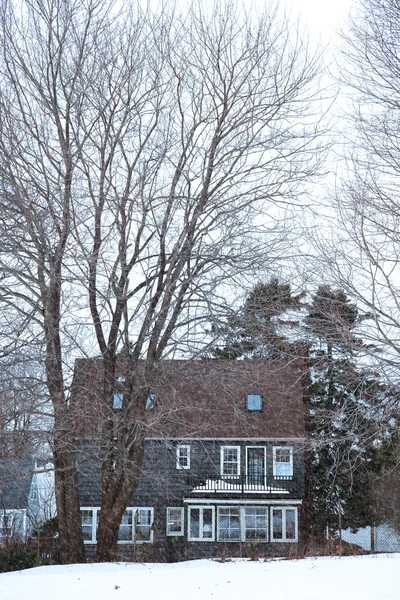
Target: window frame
181,532
230,508
275,463
222,462
284,538
248,396
118,399
179,464
151,401
95,510
201,508
265,463
245,529
136,510
7,523
242,513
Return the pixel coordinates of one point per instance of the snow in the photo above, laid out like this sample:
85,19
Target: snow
373,577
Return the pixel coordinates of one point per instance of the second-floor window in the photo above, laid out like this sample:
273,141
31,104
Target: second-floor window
230,461
183,456
283,461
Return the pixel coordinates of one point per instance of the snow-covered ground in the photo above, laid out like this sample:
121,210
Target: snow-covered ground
375,577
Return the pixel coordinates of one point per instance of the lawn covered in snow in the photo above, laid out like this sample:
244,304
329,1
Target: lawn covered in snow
375,577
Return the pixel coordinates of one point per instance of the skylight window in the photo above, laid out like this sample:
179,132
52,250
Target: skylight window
117,401
151,402
254,402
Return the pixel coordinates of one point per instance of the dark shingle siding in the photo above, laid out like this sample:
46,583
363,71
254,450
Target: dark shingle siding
15,483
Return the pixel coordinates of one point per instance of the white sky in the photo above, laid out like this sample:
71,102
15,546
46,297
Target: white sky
321,17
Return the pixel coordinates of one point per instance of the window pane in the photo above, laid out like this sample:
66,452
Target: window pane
256,523
183,457
230,461
254,402
228,524
194,522
143,527
290,524
87,521
283,455
207,523
174,520
125,532
150,402
283,462
118,398
277,532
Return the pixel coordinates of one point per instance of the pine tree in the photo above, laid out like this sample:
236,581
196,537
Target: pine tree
345,401
253,332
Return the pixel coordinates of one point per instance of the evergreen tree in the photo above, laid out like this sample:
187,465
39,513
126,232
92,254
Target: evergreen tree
253,332
345,401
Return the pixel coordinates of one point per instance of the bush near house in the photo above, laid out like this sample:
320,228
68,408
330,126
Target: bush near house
17,556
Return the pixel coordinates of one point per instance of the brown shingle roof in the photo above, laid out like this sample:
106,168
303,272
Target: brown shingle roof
207,398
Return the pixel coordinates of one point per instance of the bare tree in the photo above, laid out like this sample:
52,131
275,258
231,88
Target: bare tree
361,251
24,411
147,160
364,253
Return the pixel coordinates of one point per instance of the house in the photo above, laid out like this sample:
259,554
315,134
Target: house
223,469
26,498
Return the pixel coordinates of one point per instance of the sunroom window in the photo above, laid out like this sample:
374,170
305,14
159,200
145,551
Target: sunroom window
242,523
284,524
201,524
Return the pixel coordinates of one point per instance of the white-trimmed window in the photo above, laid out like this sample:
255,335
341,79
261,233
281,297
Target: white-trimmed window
228,524
283,461
144,524
90,521
183,456
12,523
230,461
175,520
256,523
244,523
254,402
201,523
136,525
284,524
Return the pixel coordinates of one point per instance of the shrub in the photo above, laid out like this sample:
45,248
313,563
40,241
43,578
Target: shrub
17,558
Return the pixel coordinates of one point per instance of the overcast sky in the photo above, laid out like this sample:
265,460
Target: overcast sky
321,17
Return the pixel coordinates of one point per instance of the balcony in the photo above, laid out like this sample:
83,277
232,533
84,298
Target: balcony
241,485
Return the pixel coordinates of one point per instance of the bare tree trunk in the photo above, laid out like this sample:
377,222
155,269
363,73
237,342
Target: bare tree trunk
156,144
